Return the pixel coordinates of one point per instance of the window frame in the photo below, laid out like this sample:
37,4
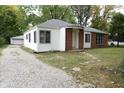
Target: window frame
35,37
44,41
87,38
48,39
99,38
26,36
29,37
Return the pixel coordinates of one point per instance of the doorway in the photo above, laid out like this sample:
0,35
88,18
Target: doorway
75,39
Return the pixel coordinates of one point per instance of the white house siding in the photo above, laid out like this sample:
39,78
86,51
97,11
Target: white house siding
54,44
31,44
42,47
62,39
87,44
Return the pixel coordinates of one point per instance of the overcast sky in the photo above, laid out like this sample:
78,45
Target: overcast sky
120,10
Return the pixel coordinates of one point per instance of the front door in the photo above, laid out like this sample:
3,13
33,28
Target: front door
87,40
75,39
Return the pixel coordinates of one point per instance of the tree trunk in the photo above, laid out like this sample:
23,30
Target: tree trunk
117,43
118,40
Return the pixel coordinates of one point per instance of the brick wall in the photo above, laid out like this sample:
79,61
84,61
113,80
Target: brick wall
81,39
93,41
105,40
68,39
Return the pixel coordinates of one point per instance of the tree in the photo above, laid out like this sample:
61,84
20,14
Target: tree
82,13
38,14
2,41
56,12
32,14
101,16
10,22
22,18
117,27
14,20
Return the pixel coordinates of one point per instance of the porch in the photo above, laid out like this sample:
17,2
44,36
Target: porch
74,38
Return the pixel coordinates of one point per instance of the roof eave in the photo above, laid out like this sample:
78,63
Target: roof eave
30,29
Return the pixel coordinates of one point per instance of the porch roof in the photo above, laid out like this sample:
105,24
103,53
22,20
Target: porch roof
90,29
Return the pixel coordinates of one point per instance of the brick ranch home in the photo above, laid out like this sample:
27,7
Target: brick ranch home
58,35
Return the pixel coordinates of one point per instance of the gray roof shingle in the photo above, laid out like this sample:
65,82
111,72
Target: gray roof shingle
89,29
18,37
55,23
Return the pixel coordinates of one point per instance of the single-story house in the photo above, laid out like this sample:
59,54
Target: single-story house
18,40
58,35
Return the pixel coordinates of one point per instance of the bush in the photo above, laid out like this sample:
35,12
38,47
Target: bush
112,44
2,41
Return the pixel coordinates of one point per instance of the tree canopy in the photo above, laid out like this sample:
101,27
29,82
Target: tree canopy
57,12
10,22
117,27
82,13
101,16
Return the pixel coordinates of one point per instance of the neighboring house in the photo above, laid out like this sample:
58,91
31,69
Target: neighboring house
18,40
58,35
115,42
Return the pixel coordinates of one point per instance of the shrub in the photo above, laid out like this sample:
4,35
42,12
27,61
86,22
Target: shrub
2,41
112,44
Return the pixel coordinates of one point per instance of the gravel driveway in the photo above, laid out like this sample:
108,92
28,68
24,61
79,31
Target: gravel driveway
21,69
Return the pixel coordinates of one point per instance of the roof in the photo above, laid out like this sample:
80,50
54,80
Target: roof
18,37
55,23
90,29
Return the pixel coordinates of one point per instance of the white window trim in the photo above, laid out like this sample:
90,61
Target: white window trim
44,37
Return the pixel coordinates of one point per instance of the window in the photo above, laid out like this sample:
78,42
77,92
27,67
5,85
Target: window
26,36
47,37
44,36
87,37
29,37
34,36
99,38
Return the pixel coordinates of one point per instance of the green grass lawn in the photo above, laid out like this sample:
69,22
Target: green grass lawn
109,56
97,69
